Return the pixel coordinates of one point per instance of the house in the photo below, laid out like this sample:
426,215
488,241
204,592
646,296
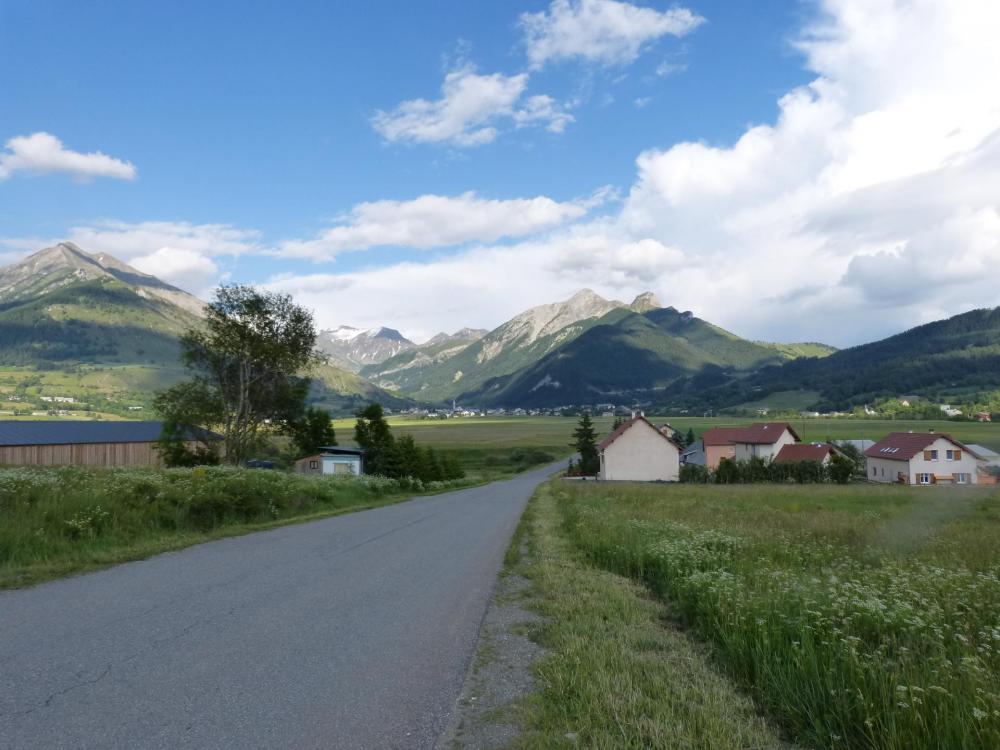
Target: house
991,457
639,452
694,454
795,452
332,460
984,416
924,458
717,444
80,443
763,440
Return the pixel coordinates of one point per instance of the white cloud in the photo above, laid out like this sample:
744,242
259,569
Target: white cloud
470,111
437,221
183,268
602,31
868,206
642,101
40,153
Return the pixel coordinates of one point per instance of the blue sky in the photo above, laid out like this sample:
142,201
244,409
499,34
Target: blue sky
236,136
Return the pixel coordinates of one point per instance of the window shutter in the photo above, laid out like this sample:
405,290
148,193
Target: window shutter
927,455
958,455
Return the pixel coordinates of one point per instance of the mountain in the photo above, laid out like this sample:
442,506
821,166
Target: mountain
628,356
353,348
513,346
959,353
64,264
410,365
62,305
87,325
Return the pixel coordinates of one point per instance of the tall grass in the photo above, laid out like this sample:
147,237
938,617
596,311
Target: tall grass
852,625
54,521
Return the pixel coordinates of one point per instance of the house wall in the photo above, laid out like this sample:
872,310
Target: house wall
82,454
886,470
342,465
715,453
303,465
641,454
942,467
745,451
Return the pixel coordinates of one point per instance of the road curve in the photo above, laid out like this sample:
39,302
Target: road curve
350,632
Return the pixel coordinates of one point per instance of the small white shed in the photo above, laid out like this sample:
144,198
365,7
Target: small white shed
639,452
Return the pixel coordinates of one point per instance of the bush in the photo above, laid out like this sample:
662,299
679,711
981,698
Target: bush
694,474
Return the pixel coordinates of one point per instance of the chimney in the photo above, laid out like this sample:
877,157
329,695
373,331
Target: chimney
931,430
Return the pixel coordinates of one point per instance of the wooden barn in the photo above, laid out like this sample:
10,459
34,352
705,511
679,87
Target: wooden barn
79,443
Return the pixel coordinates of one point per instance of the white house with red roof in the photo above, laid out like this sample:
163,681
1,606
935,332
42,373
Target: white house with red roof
763,440
638,451
925,458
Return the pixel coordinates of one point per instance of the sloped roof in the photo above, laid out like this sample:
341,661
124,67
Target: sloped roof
765,433
622,428
902,446
720,436
805,452
38,432
759,433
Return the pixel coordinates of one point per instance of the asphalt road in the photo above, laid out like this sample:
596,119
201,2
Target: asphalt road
351,632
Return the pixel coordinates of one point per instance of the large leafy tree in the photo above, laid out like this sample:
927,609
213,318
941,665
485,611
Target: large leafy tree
247,361
585,442
312,431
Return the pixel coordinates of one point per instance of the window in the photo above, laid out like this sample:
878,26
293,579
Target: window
314,464
949,455
961,478
874,472
923,478
934,455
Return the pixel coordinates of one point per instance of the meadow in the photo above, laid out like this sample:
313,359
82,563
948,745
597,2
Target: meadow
855,617
65,520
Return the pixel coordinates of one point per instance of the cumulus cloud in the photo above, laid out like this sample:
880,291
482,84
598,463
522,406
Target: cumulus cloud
438,221
470,111
41,153
601,31
869,205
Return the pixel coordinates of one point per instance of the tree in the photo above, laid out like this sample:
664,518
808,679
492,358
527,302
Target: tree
312,431
372,434
585,442
841,469
246,358
689,438
180,408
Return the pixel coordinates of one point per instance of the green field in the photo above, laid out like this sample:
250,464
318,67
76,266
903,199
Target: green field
554,433
855,617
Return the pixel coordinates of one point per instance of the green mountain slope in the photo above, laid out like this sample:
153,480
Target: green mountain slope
93,328
962,352
517,344
629,356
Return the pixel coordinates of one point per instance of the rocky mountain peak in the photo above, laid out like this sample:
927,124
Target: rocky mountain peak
66,263
645,302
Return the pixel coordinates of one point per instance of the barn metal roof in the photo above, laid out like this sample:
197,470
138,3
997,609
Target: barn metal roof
59,432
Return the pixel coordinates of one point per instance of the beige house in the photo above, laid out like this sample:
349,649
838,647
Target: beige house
639,452
717,443
763,440
925,458
332,460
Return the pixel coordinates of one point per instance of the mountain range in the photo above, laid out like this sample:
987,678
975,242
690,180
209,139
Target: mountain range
68,310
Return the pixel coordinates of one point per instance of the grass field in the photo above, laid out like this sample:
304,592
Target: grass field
856,617
67,520
554,433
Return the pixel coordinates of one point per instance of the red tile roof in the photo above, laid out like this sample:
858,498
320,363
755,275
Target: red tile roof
765,433
902,446
626,425
720,435
761,433
805,452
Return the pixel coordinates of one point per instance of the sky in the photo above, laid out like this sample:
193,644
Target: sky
792,170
